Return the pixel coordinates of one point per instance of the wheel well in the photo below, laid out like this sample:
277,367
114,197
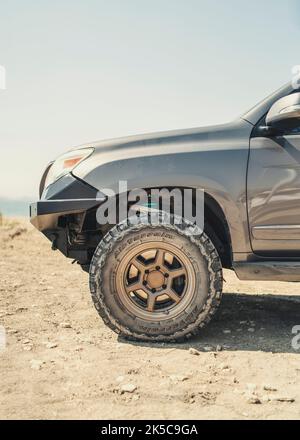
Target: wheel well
216,227
87,234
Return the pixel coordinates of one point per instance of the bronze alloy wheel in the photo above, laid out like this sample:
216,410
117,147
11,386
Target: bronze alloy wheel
155,281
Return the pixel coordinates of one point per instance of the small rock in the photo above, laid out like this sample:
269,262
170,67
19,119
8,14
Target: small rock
208,348
178,378
7,314
219,348
27,347
284,399
65,325
189,397
224,366
194,351
51,345
132,371
251,330
26,341
21,309
269,388
17,233
253,400
36,364
226,332
128,388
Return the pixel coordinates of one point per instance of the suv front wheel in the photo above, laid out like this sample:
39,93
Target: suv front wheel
155,282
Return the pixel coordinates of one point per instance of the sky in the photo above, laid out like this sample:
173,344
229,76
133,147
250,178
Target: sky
81,71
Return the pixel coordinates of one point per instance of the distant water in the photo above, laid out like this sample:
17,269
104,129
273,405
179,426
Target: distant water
15,208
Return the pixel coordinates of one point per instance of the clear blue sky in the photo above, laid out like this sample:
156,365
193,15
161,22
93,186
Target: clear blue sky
79,71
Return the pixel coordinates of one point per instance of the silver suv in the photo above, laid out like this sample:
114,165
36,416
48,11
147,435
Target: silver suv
156,275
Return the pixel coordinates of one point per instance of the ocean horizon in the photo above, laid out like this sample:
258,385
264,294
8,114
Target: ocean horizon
15,208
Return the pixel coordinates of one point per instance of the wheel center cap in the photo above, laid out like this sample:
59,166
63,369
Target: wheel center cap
155,279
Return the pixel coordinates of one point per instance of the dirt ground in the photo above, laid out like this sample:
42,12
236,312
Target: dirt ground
61,361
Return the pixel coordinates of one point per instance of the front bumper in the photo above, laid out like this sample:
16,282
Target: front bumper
52,214
44,214
68,195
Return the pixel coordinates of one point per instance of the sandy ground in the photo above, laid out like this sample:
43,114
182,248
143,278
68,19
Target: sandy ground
62,362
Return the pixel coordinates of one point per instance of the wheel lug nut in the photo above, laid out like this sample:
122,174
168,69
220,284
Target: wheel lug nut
153,290
144,283
164,286
157,267
147,271
166,275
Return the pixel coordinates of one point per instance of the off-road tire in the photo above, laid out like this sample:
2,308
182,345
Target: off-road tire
202,256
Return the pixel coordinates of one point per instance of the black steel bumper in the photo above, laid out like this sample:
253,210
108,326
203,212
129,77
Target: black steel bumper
44,214
65,197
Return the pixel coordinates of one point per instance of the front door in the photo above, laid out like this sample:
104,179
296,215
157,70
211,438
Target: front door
273,194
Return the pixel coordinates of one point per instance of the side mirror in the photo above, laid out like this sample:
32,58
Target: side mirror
285,113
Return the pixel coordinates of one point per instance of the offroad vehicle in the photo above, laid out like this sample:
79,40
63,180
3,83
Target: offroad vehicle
160,282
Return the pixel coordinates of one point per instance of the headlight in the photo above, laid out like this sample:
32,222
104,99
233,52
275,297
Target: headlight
66,163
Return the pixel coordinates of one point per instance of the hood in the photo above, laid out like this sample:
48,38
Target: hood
164,138
112,157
